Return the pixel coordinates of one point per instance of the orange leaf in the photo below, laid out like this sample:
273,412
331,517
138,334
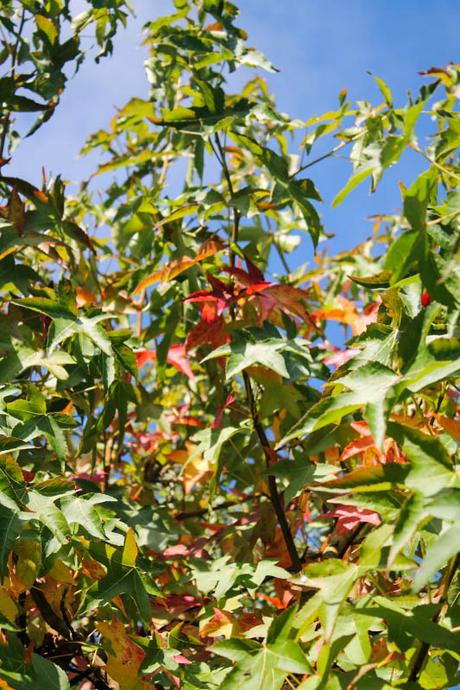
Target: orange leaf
452,426
178,266
4,685
84,297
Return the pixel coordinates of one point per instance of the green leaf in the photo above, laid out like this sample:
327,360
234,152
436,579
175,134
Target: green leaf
334,580
431,468
386,93
405,627
84,511
262,354
47,676
45,510
438,554
264,668
417,198
12,483
412,514
47,26
353,182
10,528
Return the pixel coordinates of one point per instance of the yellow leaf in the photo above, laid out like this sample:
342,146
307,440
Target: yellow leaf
61,573
28,561
7,606
47,26
130,549
124,657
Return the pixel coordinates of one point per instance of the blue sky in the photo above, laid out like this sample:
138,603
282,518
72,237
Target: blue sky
319,47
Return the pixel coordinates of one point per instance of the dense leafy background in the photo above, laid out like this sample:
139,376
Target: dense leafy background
200,487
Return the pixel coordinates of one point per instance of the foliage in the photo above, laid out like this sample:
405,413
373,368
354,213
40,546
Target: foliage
199,489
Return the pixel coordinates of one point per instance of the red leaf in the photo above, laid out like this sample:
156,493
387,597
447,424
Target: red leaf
208,332
340,357
254,273
350,517
145,356
357,446
181,659
217,423
176,356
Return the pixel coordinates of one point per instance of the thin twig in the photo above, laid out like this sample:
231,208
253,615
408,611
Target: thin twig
440,167
200,512
275,497
321,158
236,213
14,57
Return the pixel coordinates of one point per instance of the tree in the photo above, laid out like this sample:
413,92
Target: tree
199,489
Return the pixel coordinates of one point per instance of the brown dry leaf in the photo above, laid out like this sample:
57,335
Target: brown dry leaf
16,211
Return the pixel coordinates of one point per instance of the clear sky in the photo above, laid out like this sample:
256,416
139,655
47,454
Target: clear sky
320,46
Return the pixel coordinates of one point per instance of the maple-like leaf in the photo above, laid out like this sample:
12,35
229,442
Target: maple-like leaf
268,296
177,357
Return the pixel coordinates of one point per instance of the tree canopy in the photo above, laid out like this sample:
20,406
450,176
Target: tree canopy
203,484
